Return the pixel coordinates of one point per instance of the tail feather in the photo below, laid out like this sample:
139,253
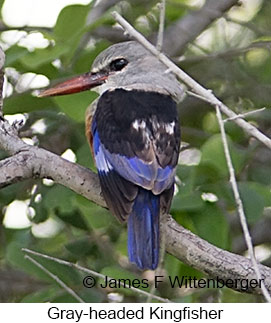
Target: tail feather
143,230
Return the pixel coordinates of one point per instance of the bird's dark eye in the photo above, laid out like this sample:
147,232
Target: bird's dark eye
118,64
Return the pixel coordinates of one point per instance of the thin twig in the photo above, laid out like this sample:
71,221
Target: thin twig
191,83
160,37
2,62
227,53
244,115
237,116
200,97
1,91
239,204
92,272
55,278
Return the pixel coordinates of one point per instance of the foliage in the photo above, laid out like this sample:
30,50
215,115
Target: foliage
86,233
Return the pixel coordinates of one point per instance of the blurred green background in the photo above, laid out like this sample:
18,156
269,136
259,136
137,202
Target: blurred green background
231,57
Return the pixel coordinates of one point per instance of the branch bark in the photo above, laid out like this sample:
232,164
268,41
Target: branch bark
33,162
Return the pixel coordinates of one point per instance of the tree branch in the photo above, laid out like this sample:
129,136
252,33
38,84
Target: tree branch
36,162
160,36
185,30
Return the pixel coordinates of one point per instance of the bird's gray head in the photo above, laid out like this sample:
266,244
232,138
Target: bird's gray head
129,65
125,65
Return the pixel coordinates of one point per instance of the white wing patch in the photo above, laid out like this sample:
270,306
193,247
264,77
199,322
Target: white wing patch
169,127
139,124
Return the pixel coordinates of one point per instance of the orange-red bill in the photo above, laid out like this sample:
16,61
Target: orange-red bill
77,84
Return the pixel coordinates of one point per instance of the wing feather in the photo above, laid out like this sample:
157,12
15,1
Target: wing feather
135,148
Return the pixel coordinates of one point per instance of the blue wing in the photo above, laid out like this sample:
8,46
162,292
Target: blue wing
149,175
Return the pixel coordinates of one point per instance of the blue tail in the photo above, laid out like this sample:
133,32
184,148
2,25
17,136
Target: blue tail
143,230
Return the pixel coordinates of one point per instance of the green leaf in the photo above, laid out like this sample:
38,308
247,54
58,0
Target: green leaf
1,5
211,225
174,10
92,295
14,53
213,154
189,176
68,275
41,56
46,69
63,202
42,296
187,202
70,20
70,28
20,236
252,200
75,105
15,257
258,174
121,244
59,197
74,218
81,247
209,123
172,265
230,296
96,216
41,213
84,156
186,270
263,190
86,57
26,103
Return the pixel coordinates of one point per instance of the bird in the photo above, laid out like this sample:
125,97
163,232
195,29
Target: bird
134,135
